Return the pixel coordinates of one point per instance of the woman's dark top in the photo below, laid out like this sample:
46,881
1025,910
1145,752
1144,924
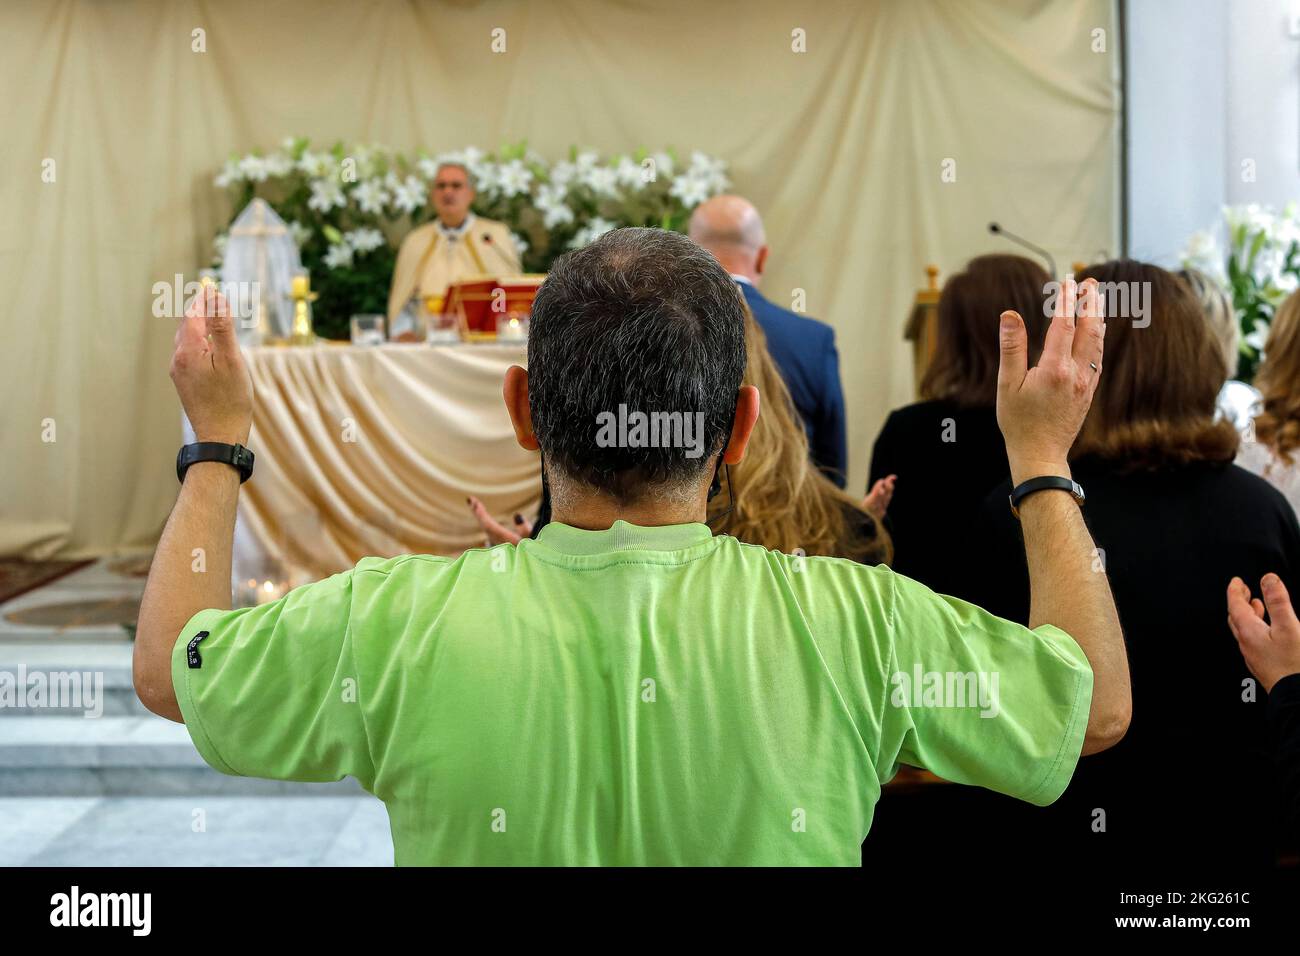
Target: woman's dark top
1284,720
1190,785
946,458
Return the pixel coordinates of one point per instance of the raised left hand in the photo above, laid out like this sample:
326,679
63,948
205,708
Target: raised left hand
208,371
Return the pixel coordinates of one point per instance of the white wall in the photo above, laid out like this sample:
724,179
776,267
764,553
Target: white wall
1263,100
1210,83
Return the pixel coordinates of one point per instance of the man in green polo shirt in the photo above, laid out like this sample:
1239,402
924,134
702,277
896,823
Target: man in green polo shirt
629,688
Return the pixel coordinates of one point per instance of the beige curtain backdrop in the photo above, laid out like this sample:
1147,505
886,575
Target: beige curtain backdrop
841,146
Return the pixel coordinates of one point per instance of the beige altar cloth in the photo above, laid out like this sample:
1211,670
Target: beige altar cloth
372,451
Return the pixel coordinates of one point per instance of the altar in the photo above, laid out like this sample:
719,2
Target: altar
367,451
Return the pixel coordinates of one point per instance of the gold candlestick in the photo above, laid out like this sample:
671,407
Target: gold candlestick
302,296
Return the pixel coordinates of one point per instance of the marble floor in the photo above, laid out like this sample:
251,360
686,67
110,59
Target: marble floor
194,831
122,787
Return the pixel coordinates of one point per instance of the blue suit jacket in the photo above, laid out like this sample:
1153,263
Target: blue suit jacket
804,352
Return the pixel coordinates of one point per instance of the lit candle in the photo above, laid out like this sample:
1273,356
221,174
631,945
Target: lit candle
268,592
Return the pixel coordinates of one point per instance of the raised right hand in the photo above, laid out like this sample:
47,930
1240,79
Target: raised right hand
1041,409
1271,650
493,531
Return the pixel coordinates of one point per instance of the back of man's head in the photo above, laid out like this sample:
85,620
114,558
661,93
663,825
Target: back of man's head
640,328
728,225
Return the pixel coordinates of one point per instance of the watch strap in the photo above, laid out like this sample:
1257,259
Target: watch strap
1043,483
236,456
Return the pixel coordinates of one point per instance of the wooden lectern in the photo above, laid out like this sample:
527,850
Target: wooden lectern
476,305
923,326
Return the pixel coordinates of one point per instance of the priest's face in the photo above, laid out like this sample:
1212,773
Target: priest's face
452,195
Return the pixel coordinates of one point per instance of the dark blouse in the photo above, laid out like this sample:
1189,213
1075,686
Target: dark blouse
1191,784
946,458
1284,718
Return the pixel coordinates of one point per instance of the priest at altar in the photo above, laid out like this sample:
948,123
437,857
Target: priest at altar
456,245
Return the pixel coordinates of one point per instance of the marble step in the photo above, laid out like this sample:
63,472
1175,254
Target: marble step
67,756
44,679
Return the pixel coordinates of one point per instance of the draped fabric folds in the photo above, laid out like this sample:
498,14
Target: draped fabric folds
372,451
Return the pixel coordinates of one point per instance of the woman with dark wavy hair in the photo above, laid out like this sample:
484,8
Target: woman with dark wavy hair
940,456
1174,521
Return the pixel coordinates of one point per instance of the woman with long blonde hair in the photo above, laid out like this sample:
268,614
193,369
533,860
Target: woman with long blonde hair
1273,450
779,499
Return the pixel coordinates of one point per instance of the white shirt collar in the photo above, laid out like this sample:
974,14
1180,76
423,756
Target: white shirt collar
450,233
743,280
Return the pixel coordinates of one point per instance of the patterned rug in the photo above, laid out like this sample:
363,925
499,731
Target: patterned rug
103,612
18,577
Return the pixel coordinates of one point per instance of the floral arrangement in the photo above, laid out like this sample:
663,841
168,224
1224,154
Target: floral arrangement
1258,265
348,207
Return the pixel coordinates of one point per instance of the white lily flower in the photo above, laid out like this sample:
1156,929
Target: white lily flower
326,194
592,231
254,168
563,173
629,174
338,256
488,178
364,240
601,180
316,164
370,196
409,195
549,201
230,174
279,164
690,189
514,178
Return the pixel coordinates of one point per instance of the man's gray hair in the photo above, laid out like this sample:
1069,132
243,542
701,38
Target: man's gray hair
457,164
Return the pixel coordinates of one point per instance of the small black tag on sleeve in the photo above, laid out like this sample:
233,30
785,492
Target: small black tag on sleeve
192,650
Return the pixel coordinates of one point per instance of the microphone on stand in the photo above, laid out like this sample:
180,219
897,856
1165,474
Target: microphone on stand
487,240
1025,243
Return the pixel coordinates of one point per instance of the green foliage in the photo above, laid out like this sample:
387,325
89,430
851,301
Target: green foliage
1259,268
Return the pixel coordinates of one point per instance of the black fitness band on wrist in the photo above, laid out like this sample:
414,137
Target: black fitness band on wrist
1043,483
236,456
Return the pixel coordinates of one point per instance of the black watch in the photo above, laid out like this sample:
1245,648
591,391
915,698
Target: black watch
236,456
1027,488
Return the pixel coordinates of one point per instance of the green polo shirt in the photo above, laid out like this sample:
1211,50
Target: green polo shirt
632,696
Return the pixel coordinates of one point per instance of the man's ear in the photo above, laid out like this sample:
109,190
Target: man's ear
521,417
743,424
760,261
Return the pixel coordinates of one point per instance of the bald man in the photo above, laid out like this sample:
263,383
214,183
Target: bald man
803,348
457,245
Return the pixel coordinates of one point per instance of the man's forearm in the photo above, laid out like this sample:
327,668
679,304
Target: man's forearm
1069,589
190,572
